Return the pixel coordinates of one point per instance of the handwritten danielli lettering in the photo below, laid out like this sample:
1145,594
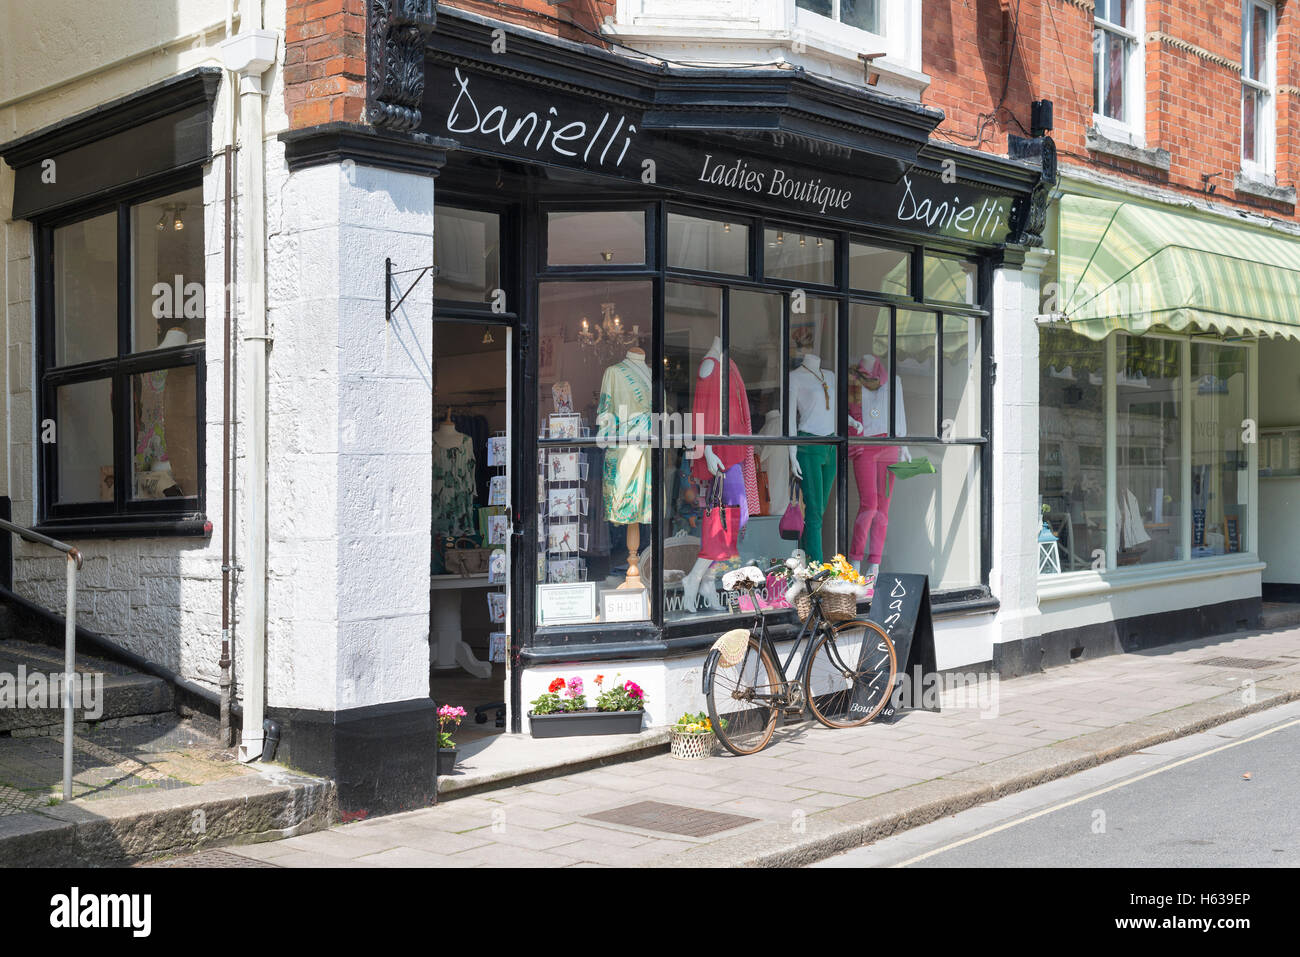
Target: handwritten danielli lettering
978,222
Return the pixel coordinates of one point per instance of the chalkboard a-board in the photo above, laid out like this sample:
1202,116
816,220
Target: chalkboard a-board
901,606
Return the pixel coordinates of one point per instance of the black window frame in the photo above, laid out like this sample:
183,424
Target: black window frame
124,516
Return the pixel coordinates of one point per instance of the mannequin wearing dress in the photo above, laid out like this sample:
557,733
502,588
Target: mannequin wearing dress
869,399
733,464
153,467
453,479
812,413
624,412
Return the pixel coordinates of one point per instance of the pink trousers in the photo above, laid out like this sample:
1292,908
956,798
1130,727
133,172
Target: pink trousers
871,468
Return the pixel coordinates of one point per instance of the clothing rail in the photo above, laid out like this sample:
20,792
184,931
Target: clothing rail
69,638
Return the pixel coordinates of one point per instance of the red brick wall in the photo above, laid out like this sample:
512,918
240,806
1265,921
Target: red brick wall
324,61
1193,103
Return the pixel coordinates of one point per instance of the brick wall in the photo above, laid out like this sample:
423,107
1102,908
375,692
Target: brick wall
324,61
1192,97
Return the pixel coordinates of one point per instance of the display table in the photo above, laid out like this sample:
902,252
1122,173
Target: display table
449,648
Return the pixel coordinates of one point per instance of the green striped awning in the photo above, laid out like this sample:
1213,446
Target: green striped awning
1134,268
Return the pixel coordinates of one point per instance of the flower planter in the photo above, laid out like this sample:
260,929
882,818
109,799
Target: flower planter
692,747
446,760
567,724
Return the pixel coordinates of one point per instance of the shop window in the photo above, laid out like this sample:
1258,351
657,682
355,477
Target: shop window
933,520
755,343
798,257
708,245
914,338
950,280
131,369
692,330
467,252
813,388
596,238
880,269
1072,446
959,417
1220,476
1149,407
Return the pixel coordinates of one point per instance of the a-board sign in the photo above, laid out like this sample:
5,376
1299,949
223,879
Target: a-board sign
901,606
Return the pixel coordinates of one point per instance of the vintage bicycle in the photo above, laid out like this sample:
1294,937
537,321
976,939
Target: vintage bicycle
844,678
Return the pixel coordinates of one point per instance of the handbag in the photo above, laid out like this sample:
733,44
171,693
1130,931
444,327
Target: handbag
791,526
720,531
466,558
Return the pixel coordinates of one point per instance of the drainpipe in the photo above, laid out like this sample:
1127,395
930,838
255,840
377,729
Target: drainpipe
227,424
250,54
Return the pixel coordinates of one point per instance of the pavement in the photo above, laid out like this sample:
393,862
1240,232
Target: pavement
1222,798
815,792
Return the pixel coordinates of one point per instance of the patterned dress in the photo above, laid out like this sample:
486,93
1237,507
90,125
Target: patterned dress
453,487
624,414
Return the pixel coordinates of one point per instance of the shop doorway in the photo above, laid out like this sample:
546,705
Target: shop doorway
469,593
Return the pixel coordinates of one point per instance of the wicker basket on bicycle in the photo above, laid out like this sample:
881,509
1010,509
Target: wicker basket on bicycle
836,605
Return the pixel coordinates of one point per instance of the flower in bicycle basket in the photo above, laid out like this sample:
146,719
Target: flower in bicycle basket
555,685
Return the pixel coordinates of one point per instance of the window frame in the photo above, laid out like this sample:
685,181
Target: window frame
1130,129
124,515
1263,167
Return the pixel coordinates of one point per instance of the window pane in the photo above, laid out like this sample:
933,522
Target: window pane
799,257
880,269
1098,69
950,280
467,252
863,14
165,459
167,271
1149,449
755,342
85,290
1258,59
868,387
708,245
961,378
812,367
937,516
585,329
1116,49
820,7
615,237
85,442
914,341
1072,445
1220,480
1249,126
692,352
699,546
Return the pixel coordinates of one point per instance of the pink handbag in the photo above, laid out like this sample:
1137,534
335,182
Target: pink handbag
791,526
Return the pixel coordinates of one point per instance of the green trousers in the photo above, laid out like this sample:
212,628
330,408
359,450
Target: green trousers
817,462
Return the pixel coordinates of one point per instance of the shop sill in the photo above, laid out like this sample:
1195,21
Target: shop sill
1081,584
1242,183
189,527
1098,142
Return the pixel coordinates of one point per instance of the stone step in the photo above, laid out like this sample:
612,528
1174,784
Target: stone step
1280,615
109,691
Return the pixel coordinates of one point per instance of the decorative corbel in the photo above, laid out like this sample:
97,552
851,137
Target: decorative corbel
397,33
1028,217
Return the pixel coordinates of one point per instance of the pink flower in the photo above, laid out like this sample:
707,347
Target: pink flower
633,690
575,687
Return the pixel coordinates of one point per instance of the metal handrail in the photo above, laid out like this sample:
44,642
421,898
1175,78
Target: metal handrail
69,637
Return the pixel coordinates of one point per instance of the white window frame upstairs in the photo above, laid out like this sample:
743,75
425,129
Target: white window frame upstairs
1260,169
1132,128
899,36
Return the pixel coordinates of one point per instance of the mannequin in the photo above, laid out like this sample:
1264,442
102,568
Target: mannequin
869,398
812,413
624,411
453,479
733,464
153,467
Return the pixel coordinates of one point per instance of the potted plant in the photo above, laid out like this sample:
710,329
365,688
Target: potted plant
692,737
841,589
449,718
562,710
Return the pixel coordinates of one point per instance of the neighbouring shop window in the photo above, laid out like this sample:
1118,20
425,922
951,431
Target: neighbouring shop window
862,14
950,280
751,380
1072,445
1117,63
122,375
1178,420
467,250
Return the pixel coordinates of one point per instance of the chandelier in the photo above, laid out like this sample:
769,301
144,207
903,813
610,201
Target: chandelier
608,337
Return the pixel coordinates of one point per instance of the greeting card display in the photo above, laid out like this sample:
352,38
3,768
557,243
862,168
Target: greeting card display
565,426
562,394
497,647
565,503
496,607
562,538
498,528
497,566
565,570
498,451
497,490
563,467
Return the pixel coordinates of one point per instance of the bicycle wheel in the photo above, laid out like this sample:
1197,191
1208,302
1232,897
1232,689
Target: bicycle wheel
740,699
851,674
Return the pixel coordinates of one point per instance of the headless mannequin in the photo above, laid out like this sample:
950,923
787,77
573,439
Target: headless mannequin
874,385
636,362
175,336
695,577
445,434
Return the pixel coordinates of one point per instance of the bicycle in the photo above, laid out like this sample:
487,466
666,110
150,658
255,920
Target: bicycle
746,684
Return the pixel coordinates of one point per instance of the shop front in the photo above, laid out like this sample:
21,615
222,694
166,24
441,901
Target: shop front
668,305
1167,409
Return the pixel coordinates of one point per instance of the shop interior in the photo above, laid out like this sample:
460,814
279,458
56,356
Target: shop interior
1279,469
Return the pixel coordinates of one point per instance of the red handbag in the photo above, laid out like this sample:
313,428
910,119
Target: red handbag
720,531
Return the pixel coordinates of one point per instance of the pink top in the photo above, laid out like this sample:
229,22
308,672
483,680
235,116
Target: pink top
708,410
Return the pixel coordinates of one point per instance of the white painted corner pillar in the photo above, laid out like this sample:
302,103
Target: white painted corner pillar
1013,577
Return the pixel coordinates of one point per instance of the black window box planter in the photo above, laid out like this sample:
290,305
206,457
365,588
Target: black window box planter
568,724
